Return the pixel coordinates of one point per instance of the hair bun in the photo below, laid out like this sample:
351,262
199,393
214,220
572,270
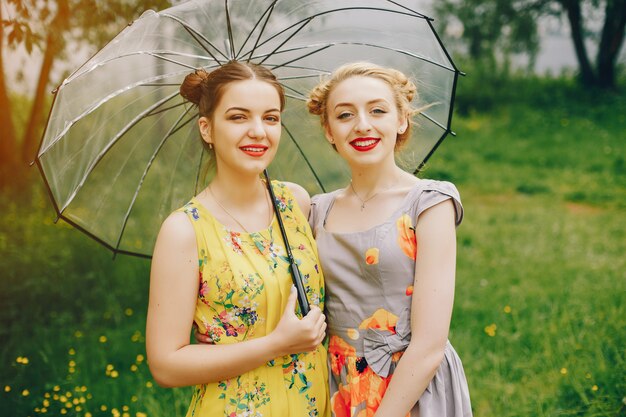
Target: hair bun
191,87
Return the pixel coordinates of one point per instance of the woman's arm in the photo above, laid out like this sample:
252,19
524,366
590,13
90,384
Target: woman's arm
431,310
173,295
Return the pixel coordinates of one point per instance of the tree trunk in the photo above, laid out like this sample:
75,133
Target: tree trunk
572,8
54,45
611,42
8,140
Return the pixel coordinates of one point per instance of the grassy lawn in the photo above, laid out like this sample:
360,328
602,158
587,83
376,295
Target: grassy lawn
540,306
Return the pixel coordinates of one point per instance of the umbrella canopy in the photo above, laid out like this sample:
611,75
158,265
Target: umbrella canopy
121,149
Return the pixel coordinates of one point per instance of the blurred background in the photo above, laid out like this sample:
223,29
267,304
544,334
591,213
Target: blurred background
539,157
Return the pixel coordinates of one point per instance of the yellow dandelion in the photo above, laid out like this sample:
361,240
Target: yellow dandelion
55,397
103,407
71,364
88,414
47,395
44,410
78,408
507,309
140,414
71,351
68,394
102,339
149,384
126,414
68,405
37,410
46,403
75,401
7,388
56,388
25,393
78,334
133,367
115,412
594,388
125,408
82,400
63,398
491,330
110,367
563,371
134,399
83,388
114,374
89,396
63,411
128,312
140,358
71,370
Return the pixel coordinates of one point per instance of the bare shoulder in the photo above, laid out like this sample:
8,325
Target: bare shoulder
301,195
176,232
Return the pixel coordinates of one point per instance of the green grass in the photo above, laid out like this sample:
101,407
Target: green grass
539,314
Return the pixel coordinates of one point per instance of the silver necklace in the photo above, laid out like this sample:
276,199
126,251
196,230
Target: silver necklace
230,215
368,198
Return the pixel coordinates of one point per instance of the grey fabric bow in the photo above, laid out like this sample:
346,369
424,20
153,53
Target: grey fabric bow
379,345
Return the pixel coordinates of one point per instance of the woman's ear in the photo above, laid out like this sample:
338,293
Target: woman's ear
329,137
403,124
205,129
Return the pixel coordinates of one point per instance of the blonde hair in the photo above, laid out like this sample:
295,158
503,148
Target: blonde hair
404,91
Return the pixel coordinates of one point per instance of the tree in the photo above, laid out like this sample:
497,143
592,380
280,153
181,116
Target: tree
492,27
48,27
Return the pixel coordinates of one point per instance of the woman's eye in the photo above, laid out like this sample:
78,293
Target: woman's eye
273,119
379,111
237,117
344,115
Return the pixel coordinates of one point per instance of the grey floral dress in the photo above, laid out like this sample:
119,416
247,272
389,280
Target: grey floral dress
369,285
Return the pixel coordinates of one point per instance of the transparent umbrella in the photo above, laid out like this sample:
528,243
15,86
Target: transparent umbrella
121,149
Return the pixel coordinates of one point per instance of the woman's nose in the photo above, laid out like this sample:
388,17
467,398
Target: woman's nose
257,130
362,124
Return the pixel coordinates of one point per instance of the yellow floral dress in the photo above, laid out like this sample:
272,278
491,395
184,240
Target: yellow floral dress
243,288
369,280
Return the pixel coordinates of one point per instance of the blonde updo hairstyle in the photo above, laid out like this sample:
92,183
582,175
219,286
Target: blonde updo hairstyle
404,91
205,89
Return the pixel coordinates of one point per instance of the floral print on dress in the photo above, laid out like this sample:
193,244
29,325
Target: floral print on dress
371,256
406,236
243,278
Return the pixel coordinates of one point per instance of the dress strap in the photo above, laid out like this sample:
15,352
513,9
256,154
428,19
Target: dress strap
320,206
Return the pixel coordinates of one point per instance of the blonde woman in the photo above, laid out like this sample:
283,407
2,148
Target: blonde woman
387,246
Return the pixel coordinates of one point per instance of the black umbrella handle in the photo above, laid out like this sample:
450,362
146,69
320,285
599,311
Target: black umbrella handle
295,271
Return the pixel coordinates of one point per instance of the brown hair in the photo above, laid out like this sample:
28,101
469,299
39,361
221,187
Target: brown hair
404,90
205,89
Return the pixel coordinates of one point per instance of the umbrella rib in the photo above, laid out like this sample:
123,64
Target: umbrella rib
301,57
165,109
293,140
170,60
114,140
418,14
231,46
434,121
143,176
195,33
304,23
267,12
421,58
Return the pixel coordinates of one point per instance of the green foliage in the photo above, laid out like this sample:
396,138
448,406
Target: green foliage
539,313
